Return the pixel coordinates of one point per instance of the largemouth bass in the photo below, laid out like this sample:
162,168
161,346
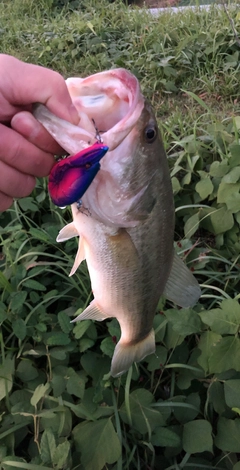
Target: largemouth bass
127,226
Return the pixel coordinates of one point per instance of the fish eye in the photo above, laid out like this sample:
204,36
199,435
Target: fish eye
88,165
150,133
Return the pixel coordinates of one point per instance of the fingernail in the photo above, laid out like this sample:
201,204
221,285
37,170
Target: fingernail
25,124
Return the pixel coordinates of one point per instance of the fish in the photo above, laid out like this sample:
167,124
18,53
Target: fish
126,232
70,177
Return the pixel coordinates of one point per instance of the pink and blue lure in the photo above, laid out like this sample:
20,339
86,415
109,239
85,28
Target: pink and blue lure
70,178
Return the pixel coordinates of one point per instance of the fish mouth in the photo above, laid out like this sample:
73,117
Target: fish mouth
108,103
112,100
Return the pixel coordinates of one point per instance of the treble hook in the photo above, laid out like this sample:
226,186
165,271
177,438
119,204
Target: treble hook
98,136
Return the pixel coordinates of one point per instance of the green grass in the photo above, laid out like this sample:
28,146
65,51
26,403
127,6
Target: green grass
178,409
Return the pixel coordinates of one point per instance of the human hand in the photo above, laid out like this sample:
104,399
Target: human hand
26,148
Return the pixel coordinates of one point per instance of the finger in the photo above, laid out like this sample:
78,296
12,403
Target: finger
13,183
36,84
5,202
26,125
22,155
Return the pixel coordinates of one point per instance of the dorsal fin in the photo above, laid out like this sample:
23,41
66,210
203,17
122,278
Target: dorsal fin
182,287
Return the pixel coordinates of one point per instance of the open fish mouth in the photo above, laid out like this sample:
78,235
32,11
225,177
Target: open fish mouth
108,103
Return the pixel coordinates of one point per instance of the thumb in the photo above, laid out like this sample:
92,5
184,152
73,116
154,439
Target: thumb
28,83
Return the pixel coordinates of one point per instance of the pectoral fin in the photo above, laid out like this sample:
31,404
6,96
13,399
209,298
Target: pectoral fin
123,250
80,256
92,312
67,232
182,287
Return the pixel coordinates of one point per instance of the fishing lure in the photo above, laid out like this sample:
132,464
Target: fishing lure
70,178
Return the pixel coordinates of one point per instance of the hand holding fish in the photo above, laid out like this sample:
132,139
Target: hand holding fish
26,148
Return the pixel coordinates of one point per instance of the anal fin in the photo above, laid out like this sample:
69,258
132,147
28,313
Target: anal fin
92,312
182,287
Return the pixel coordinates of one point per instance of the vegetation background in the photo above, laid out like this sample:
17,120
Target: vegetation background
178,409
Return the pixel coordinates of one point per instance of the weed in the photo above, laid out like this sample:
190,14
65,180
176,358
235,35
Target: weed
60,409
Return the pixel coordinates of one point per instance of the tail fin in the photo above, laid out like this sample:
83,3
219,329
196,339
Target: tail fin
125,354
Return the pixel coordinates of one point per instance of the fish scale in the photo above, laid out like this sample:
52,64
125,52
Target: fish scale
129,269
